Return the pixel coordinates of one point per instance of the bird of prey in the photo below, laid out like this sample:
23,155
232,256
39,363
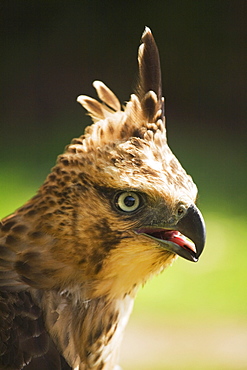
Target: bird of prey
116,209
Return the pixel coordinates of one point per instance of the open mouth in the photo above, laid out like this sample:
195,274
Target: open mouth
171,240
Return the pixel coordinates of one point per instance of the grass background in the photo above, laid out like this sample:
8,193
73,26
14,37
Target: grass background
193,316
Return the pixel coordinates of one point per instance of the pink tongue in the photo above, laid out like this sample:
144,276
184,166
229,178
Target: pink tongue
177,238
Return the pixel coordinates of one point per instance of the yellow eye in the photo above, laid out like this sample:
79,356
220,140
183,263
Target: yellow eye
128,201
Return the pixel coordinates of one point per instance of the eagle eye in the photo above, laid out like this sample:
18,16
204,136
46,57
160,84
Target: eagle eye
127,201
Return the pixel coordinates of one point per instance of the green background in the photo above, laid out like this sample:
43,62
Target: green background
193,316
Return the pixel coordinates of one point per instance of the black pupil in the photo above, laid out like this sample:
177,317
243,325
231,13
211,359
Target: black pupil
129,201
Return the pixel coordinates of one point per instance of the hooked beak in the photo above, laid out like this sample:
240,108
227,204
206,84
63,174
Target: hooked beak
175,238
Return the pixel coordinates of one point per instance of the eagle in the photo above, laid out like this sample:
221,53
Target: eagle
116,209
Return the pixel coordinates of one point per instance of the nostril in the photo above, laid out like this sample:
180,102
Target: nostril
181,210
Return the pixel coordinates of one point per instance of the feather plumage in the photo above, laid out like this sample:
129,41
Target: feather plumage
110,215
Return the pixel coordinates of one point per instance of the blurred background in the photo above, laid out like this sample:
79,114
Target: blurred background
193,316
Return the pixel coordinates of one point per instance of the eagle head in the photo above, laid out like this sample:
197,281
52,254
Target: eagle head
121,206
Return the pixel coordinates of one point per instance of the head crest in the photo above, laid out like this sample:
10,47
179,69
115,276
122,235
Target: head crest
143,115
149,89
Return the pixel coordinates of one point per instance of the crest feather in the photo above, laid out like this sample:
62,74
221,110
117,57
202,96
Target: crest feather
97,110
149,90
143,115
94,108
106,95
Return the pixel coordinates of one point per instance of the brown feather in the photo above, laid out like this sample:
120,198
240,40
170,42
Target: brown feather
71,259
149,76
